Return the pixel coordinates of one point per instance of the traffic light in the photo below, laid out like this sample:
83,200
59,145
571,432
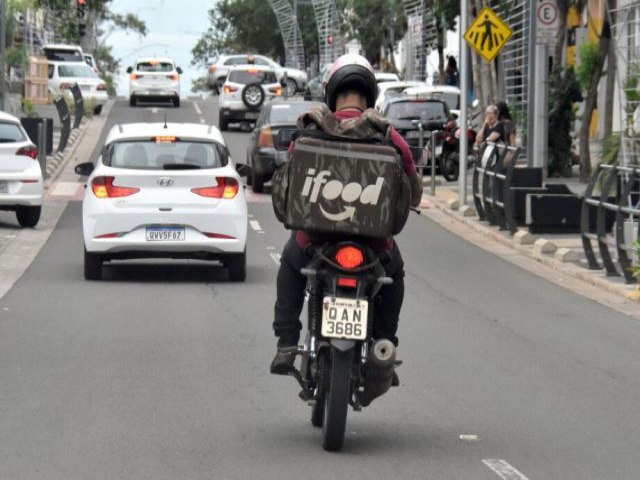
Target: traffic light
330,39
81,12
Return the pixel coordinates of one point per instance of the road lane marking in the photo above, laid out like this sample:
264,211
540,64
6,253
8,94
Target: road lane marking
154,110
469,438
504,470
197,107
202,120
255,225
275,257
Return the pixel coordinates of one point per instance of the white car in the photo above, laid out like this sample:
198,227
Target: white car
60,52
382,77
62,76
21,184
153,79
389,89
448,93
296,80
246,88
164,191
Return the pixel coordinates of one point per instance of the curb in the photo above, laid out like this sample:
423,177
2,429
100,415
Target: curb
629,292
60,159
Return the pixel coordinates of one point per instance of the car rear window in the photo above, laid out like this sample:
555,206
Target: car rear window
252,76
80,70
288,113
411,110
154,67
10,132
62,55
165,153
452,99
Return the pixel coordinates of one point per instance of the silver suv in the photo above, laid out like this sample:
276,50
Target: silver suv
154,79
296,80
244,91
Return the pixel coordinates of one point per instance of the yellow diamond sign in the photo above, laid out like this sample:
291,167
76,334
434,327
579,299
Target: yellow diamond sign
487,34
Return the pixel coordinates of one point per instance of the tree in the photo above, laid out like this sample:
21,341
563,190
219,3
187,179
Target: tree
564,91
445,14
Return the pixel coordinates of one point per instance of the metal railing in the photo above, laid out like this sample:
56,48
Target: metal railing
622,184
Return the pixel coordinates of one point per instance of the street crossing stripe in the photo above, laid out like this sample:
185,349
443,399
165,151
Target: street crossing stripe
255,225
504,470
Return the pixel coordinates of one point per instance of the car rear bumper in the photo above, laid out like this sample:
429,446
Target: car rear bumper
239,115
155,93
21,194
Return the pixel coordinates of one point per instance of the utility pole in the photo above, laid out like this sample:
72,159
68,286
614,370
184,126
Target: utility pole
3,65
464,87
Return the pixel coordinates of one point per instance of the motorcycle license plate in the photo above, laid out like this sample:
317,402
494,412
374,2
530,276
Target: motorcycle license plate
344,318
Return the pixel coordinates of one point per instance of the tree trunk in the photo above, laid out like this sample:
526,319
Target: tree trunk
611,78
440,42
590,103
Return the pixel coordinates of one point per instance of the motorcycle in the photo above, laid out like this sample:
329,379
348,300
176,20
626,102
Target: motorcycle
341,364
450,158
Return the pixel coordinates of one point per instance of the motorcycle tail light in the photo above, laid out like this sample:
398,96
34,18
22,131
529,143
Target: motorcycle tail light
347,282
349,257
103,187
226,188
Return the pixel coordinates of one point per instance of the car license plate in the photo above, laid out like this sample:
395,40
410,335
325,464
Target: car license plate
165,234
4,187
251,115
344,318
85,88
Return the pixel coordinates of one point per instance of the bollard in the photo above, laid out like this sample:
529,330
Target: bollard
432,191
41,147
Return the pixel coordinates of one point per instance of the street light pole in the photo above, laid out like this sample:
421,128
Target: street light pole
3,65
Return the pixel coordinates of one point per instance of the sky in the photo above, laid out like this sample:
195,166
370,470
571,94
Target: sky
173,28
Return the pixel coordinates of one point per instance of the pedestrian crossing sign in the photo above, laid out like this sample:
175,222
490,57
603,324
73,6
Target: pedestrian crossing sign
488,34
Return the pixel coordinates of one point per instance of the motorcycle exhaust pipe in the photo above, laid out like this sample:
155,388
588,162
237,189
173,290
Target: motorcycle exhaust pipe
378,371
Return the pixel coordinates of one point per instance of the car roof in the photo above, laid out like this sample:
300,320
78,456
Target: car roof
126,131
4,116
262,68
432,89
155,59
61,46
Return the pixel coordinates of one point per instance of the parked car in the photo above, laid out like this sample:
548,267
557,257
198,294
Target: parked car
382,77
244,91
272,135
296,80
57,52
21,183
62,76
154,79
390,89
448,93
164,191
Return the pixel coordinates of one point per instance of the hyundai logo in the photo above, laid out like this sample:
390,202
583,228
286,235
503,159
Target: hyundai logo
165,182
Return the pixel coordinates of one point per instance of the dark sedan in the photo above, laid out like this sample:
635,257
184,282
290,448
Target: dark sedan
271,136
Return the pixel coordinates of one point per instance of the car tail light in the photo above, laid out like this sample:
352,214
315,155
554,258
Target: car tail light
349,257
230,89
347,282
102,87
135,76
226,188
212,68
103,187
65,86
173,77
29,181
266,138
111,235
28,151
218,235
276,90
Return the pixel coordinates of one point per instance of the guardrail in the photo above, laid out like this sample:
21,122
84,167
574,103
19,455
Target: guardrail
625,183
493,196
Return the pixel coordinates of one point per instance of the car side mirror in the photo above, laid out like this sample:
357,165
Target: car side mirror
243,169
84,169
179,70
129,69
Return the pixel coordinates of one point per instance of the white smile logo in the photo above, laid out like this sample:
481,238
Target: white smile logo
314,185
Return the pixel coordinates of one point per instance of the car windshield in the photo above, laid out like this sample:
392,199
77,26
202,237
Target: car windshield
287,114
10,132
412,110
252,76
63,55
154,67
80,70
165,153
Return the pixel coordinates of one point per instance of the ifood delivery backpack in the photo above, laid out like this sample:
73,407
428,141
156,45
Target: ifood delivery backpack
342,178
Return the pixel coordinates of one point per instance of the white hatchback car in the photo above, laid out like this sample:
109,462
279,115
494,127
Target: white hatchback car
154,79
448,93
62,76
164,191
246,88
21,182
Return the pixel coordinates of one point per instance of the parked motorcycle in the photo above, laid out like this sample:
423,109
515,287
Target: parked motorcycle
341,364
449,160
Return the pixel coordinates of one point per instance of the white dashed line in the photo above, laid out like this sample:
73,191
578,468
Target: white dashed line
504,470
197,107
271,248
255,225
154,110
275,257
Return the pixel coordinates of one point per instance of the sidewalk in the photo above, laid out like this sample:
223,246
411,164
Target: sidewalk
561,252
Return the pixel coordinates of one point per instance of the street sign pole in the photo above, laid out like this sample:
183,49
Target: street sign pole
464,86
531,84
3,66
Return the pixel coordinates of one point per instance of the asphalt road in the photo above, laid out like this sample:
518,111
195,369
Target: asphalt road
161,370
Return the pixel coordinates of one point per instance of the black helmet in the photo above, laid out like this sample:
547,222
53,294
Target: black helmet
351,72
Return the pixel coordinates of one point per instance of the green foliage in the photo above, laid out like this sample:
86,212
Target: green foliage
611,148
27,108
374,23
16,56
564,90
588,57
199,85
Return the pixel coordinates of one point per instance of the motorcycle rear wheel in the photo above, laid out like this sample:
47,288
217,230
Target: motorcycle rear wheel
450,166
336,401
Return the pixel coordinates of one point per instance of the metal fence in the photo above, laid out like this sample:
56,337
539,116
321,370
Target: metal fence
290,31
327,21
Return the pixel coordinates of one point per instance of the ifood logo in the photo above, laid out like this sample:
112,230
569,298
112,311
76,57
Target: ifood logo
319,184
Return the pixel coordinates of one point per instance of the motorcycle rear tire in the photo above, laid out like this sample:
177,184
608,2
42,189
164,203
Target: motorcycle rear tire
336,401
450,166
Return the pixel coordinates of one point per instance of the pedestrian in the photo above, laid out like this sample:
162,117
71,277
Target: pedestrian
451,72
504,117
492,130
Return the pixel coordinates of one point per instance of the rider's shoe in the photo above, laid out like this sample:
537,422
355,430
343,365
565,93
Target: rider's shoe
282,363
